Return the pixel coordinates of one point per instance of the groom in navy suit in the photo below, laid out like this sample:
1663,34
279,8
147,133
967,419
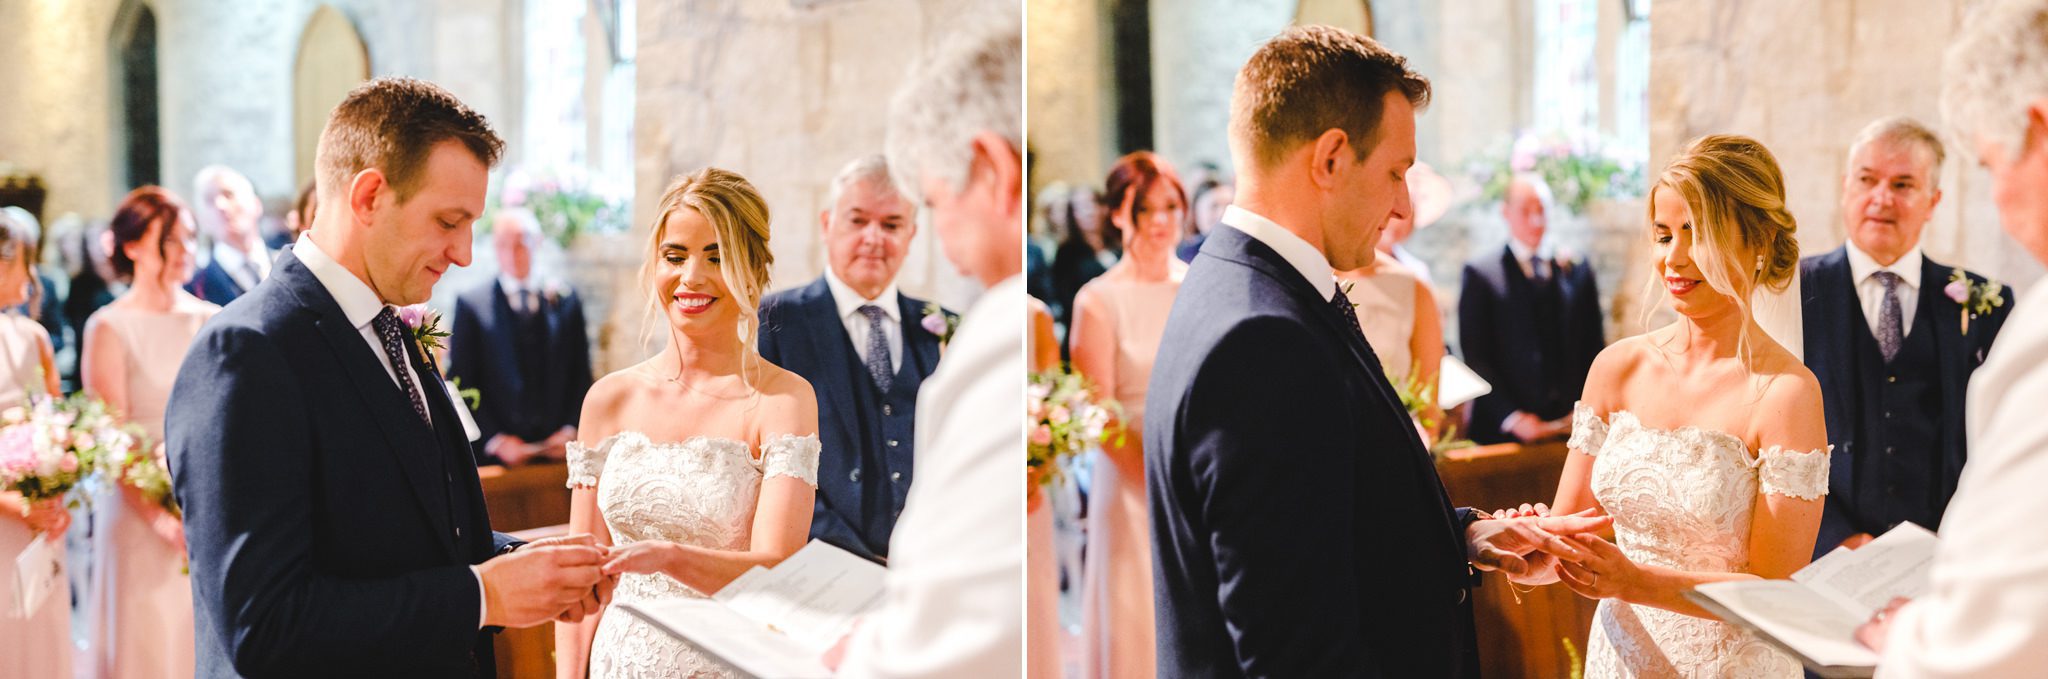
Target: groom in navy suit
1299,526
1889,344
863,345
333,514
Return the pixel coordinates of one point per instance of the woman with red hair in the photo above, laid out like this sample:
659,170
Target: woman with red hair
1118,320
142,603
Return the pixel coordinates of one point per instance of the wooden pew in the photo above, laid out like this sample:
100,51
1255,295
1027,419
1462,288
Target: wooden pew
531,502
1518,639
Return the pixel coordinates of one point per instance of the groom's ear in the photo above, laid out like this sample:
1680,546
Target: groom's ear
1325,159
364,190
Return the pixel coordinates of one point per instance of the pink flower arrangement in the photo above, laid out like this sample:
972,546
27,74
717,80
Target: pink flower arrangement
49,446
1064,418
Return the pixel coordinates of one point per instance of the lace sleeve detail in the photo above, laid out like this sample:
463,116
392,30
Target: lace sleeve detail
791,455
1589,432
1792,473
586,463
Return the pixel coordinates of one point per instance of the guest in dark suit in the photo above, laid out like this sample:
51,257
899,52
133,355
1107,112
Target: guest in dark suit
1090,245
863,346
521,343
1889,346
335,521
226,207
1528,322
1299,525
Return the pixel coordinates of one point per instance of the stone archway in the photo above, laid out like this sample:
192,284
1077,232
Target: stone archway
1350,15
138,145
332,60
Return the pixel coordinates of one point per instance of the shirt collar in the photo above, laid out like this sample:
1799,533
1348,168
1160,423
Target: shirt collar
1523,252
850,302
358,302
1305,259
512,286
229,258
1862,266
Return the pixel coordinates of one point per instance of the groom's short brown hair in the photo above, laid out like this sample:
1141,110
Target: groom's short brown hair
391,124
1310,79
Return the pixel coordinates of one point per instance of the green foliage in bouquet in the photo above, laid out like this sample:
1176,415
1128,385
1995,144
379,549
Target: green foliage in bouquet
49,445
1065,418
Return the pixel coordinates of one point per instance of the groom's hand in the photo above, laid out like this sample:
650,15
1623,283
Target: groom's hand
547,580
1523,547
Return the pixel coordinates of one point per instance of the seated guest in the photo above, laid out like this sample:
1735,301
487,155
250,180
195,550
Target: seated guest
521,343
865,349
1888,345
1529,323
227,210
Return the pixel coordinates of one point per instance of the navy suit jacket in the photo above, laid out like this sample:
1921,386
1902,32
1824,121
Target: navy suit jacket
1299,527
213,284
1831,315
330,530
801,331
1497,328
483,353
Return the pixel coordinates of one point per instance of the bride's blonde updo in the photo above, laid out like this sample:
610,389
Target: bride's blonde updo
739,215
1736,193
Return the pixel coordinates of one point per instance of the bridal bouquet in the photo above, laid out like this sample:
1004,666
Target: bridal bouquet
46,447
1064,419
146,470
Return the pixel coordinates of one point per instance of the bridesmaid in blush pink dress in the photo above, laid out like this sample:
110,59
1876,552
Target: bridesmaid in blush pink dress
142,601
1119,319
38,645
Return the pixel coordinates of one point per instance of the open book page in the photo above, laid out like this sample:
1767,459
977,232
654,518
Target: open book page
1796,616
813,596
1893,565
35,576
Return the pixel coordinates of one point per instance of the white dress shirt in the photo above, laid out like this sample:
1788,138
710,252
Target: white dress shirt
953,602
359,304
1985,613
1305,258
1870,291
516,293
1525,256
237,264
850,302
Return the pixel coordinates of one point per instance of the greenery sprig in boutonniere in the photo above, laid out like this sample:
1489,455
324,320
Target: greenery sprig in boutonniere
1977,298
936,321
425,323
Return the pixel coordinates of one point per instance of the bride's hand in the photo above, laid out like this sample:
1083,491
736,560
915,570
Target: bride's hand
643,556
1526,510
1601,571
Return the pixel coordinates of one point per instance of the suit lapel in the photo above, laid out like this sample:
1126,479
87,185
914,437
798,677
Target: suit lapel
833,348
920,346
1841,317
402,430
1955,359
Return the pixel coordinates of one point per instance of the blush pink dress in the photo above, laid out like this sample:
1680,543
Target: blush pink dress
40,644
141,600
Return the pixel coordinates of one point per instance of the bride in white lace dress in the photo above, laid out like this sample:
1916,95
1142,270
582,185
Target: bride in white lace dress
1703,439
702,461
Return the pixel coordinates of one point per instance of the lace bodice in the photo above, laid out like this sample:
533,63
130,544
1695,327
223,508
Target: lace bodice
1683,499
701,492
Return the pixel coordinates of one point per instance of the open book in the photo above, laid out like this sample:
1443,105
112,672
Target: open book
1814,615
776,623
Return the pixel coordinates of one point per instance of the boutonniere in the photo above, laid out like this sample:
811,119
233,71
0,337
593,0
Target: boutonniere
936,321
425,323
1976,298
553,292
1344,287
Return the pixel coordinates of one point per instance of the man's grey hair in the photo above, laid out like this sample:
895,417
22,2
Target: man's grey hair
529,225
1902,130
871,170
973,83
1997,66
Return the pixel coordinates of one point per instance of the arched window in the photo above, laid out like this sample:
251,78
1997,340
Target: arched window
138,146
331,61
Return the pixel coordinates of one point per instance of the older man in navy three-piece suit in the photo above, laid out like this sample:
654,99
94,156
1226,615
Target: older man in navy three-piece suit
1889,345
864,347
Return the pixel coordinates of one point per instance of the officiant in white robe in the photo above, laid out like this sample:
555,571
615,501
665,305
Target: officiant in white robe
1985,613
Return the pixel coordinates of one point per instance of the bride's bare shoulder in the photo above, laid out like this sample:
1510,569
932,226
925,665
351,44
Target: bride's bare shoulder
1612,369
789,405
606,397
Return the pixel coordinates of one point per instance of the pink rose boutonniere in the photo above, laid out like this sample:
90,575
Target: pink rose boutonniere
1976,298
936,321
425,323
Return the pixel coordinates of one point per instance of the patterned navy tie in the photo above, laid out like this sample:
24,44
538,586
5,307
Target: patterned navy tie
1891,332
879,365
1349,310
392,332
